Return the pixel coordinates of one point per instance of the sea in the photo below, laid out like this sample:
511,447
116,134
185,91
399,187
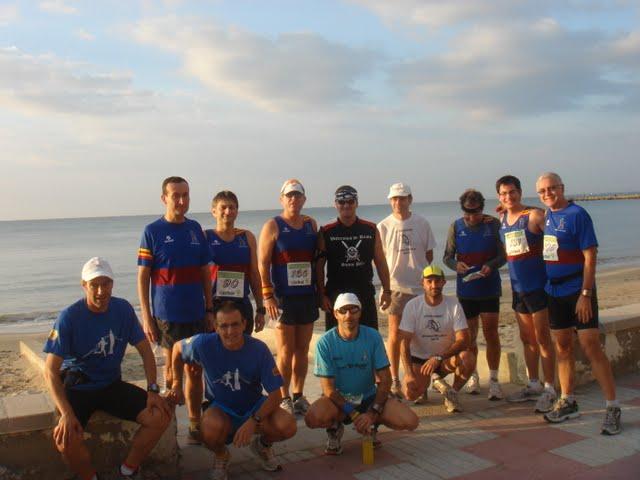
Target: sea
41,260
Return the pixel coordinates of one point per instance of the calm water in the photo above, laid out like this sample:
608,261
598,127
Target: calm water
41,260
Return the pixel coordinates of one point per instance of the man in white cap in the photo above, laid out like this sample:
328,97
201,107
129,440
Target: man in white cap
408,243
435,340
93,333
350,360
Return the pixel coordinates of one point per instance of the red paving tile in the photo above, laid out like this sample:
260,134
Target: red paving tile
535,466
628,467
635,402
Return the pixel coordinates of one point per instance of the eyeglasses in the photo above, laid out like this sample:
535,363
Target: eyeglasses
549,189
352,309
351,201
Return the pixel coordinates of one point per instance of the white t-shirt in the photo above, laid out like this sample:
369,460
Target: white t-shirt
405,244
433,327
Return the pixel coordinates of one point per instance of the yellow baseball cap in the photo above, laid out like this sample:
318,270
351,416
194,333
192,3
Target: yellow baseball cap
432,270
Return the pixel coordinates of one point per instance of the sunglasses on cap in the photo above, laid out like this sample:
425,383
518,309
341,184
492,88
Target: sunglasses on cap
473,211
349,308
350,201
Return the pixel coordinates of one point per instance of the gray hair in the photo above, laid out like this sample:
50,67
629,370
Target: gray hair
551,175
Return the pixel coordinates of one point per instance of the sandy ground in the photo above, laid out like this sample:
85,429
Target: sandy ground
615,288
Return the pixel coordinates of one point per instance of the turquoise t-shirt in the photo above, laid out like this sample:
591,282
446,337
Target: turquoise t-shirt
352,363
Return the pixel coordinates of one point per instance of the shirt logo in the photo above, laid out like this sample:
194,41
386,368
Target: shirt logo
433,325
462,233
242,243
168,239
285,229
215,242
194,239
352,253
562,226
104,346
231,380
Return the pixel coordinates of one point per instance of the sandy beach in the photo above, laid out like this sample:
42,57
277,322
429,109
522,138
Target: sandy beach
616,287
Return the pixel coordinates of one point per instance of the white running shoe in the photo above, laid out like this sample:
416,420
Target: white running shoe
396,389
545,401
220,467
451,403
287,405
265,455
525,394
301,405
495,391
334,440
472,386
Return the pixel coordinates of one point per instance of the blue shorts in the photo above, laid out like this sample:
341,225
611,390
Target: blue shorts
236,420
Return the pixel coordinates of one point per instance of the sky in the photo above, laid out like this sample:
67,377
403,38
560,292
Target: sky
100,101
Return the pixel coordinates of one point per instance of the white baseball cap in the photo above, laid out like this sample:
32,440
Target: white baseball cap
291,185
96,267
399,190
346,299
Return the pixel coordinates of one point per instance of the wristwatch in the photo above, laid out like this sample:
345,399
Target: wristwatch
586,292
377,408
437,357
153,388
261,310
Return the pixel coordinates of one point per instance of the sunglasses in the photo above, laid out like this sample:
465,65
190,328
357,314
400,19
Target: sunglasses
549,189
351,201
350,309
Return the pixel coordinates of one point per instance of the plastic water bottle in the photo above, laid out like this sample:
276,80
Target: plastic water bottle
367,448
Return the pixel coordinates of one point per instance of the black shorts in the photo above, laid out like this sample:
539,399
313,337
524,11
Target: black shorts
562,312
529,302
171,332
369,316
120,399
472,308
420,361
245,307
362,407
299,309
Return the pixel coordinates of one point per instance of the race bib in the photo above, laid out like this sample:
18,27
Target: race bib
230,284
516,243
550,248
299,274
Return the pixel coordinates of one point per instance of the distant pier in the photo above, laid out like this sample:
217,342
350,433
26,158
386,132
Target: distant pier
607,196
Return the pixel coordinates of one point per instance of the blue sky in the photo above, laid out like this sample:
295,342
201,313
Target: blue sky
99,101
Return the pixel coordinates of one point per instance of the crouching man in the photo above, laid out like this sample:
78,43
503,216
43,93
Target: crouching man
434,341
350,359
236,369
93,333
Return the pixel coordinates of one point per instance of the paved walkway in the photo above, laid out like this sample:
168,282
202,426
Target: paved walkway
490,440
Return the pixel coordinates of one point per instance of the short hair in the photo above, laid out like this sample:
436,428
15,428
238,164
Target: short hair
169,180
472,196
226,306
552,175
225,195
508,180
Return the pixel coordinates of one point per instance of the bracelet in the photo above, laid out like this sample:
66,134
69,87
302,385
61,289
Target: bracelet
387,291
267,297
267,289
353,415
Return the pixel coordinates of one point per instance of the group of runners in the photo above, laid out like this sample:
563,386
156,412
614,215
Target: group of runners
194,289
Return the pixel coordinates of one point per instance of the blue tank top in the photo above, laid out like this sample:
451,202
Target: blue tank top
475,247
231,265
524,254
291,261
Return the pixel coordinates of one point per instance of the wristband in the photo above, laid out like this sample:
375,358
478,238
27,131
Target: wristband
347,408
353,415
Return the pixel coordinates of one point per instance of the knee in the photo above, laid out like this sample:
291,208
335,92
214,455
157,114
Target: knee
564,348
316,418
409,420
287,427
591,348
214,432
467,363
156,419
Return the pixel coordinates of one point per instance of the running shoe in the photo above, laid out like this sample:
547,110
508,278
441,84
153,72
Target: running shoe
422,399
265,455
562,410
545,401
495,391
301,405
472,386
334,440
132,476
441,385
195,436
525,394
396,389
220,466
451,403
287,405
611,424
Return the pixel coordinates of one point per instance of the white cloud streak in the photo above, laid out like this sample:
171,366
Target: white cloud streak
8,14
58,6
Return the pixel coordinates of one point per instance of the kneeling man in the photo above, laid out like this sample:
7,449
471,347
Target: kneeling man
236,369
93,333
350,359
434,342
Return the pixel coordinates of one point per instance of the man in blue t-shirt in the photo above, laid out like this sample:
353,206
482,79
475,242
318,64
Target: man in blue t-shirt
569,250
350,359
173,269
237,367
82,371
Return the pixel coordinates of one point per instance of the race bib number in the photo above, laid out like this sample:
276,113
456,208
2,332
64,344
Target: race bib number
516,243
550,248
299,274
230,284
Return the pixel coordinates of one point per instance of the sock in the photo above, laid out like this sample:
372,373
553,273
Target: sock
493,375
296,396
613,403
127,469
549,386
568,397
535,384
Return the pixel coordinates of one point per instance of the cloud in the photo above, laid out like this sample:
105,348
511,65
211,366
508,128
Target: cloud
85,35
289,72
492,70
8,14
58,6
36,83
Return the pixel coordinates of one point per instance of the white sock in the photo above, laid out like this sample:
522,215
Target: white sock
568,397
613,403
125,470
535,384
493,375
550,387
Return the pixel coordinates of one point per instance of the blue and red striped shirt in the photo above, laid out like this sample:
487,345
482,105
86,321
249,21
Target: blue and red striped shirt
292,259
